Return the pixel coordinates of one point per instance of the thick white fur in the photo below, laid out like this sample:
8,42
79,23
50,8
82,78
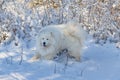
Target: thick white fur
66,36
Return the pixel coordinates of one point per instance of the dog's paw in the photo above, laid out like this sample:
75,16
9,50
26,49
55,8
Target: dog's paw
34,58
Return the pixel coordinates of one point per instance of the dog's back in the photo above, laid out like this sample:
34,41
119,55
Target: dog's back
75,30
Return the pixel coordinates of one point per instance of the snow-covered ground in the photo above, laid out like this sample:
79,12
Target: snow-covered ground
97,63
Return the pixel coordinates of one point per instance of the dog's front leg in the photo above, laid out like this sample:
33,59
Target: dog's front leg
49,56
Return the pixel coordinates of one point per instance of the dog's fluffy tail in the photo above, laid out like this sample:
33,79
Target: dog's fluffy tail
75,30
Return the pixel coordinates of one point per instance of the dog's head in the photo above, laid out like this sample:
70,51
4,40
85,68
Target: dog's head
46,39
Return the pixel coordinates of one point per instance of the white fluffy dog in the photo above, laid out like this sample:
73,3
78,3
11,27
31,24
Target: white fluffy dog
54,38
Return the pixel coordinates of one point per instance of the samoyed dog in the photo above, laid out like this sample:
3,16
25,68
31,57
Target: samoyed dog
54,38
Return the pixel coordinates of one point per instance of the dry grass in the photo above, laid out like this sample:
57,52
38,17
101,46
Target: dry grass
100,18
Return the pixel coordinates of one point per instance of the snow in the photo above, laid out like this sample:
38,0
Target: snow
21,25
97,63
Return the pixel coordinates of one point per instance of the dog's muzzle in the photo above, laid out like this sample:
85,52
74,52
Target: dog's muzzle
44,44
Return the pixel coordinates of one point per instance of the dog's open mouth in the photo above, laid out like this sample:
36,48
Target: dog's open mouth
44,45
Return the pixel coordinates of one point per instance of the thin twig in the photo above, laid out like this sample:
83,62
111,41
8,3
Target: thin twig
66,64
55,69
21,60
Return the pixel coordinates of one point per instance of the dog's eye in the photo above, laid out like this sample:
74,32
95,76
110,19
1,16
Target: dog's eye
47,39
